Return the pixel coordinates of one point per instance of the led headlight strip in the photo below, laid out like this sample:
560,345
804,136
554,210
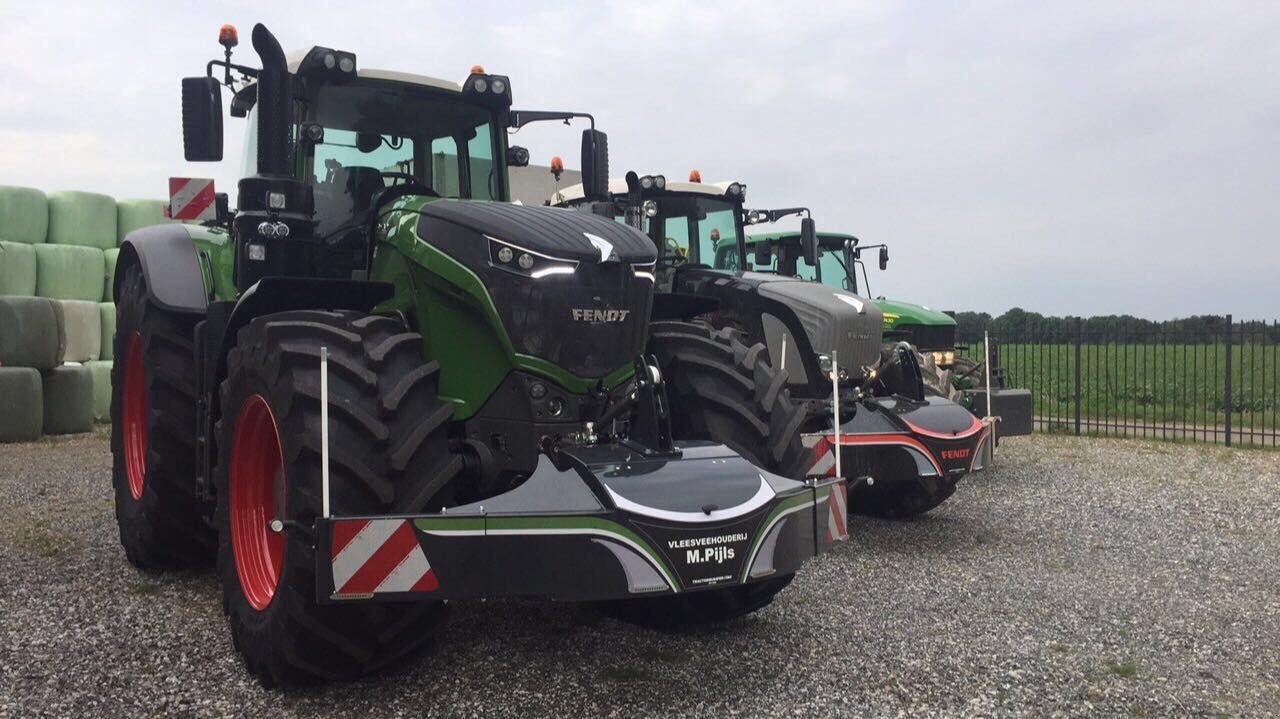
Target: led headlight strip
521,261
644,271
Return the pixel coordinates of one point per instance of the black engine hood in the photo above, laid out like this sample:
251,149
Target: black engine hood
553,231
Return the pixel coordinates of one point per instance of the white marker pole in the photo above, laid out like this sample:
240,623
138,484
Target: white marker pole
986,366
324,431
835,407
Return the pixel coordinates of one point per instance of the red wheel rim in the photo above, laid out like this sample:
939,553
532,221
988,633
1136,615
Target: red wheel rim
256,479
134,414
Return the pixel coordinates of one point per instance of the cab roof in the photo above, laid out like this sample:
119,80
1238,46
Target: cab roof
573,193
824,238
294,59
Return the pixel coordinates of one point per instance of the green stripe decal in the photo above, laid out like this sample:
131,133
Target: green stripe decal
481,526
800,501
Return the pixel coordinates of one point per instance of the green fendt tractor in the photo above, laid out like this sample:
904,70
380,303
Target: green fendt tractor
377,385
960,377
906,449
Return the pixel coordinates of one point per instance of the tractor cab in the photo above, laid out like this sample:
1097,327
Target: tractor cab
330,143
694,225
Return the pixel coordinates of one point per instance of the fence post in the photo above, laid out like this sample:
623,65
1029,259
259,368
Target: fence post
1079,338
1227,397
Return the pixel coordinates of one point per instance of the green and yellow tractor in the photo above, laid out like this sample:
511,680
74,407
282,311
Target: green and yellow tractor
377,385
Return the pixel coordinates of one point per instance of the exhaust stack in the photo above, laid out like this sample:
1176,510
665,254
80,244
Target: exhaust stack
273,104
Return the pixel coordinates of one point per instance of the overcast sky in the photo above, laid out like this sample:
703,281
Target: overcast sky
1079,158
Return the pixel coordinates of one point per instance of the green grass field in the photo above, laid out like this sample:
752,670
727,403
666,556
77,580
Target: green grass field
1170,386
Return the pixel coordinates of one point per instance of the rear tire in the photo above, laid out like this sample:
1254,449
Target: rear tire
723,390
687,611
162,520
389,452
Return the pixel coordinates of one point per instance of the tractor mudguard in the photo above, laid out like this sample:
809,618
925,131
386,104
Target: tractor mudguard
942,437
597,523
284,294
174,279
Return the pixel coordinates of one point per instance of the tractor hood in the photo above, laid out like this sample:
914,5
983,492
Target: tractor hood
571,288
904,313
832,319
556,233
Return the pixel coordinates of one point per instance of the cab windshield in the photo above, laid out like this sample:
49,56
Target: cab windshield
784,257
696,229
381,134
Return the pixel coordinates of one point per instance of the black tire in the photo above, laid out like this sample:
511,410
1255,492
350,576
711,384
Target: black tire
165,526
723,390
687,611
389,452
898,492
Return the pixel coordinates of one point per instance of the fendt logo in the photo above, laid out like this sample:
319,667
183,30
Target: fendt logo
955,453
591,315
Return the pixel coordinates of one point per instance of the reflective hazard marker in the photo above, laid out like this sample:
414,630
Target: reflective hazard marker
372,556
191,198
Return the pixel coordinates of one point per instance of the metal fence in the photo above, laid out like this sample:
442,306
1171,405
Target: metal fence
1218,384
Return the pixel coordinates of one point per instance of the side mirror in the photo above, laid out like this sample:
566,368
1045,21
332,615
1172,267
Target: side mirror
517,156
884,257
595,165
809,241
201,119
764,256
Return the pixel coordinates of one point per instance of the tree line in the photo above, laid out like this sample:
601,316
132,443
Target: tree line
1021,325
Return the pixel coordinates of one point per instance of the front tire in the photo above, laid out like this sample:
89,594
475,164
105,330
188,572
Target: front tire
388,453
162,520
723,390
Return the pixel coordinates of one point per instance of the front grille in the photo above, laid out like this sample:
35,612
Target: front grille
539,317
927,338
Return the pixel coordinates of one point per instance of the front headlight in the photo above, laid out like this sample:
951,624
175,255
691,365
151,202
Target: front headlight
527,262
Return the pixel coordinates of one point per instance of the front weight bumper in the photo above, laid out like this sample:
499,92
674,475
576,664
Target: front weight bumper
596,523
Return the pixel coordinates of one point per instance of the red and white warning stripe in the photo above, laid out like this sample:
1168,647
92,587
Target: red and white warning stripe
372,556
191,198
824,461
838,513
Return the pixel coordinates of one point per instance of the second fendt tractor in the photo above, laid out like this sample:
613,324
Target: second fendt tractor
958,376
906,448
379,385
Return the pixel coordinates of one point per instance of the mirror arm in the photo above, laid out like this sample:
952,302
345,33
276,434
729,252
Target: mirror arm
229,66
520,118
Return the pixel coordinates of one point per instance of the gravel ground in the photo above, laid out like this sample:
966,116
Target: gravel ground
1080,577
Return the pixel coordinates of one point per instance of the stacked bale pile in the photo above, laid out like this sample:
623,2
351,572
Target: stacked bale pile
57,318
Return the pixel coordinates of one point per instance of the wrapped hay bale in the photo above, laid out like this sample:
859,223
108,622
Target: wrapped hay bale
82,328
24,215
68,399
135,214
17,269
82,218
101,371
69,272
31,333
109,260
23,415
107,313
